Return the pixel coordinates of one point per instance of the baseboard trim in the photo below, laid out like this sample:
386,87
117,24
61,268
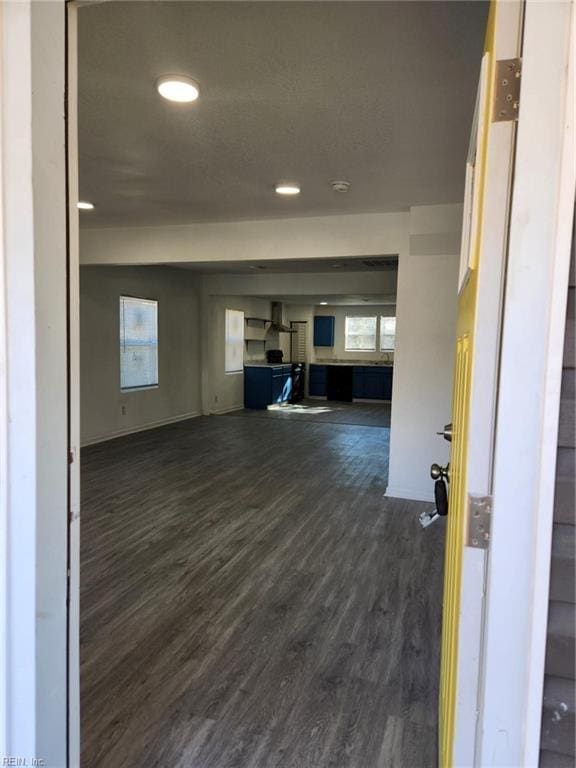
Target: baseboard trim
221,411
140,428
411,494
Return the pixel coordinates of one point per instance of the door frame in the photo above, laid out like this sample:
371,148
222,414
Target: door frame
484,246
510,704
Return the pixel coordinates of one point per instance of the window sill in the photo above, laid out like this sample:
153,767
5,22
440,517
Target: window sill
128,390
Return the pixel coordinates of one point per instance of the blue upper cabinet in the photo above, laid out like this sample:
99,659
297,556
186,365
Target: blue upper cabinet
324,330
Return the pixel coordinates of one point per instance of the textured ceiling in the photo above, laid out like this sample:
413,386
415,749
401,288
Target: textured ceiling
380,94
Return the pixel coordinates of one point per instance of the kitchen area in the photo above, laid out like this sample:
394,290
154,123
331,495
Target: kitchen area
338,352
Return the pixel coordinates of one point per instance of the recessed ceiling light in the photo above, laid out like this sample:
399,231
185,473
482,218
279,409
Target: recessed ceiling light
287,189
323,303
337,266
84,205
178,88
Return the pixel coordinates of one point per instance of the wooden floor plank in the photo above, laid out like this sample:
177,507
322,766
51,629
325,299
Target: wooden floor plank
250,598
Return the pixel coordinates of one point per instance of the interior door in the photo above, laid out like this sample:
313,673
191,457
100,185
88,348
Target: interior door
481,281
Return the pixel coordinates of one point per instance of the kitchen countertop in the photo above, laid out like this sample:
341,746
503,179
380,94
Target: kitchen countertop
367,364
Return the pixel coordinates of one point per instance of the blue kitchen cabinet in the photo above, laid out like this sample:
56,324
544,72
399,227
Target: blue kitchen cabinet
388,375
281,383
371,382
324,330
317,381
358,388
266,385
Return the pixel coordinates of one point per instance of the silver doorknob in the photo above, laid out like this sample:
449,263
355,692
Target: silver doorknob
440,473
446,432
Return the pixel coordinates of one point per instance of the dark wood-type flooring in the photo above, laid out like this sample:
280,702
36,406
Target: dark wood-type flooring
250,599
327,412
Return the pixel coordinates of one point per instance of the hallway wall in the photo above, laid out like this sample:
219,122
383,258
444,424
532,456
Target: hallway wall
425,343
178,393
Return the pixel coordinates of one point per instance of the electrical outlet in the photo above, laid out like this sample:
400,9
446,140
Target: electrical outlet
215,398
123,410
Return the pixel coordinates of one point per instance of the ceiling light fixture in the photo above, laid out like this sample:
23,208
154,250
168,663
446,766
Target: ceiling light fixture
287,189
178,88
84,205
323,303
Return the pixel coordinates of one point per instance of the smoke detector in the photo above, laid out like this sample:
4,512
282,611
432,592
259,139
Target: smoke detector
340,186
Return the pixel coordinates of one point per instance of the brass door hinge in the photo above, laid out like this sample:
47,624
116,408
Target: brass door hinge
479,521
507,90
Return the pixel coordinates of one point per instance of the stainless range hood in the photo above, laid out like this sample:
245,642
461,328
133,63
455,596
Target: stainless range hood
277,324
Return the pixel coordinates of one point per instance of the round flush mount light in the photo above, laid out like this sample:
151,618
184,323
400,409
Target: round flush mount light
287,189
84,205
178,88
323,303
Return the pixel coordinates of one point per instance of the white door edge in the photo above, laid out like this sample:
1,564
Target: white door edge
529,394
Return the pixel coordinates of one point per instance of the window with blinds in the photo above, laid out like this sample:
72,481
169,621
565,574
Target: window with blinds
234,341
138,343
387,334
298,341
360,334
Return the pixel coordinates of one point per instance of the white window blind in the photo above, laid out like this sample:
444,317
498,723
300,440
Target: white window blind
360,334
298,341
138,343
234,341
387,333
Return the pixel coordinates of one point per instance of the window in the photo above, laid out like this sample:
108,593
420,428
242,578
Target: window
234,354
138,343
387,333
360,334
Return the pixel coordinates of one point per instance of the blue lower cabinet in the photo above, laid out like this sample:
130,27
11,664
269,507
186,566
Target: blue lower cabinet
372,382
317,381
388,377
277,386
267,385
358,388
286,383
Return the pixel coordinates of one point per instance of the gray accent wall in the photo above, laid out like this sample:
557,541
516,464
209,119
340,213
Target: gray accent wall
558,748
106,411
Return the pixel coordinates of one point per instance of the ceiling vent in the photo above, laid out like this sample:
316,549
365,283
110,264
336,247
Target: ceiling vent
380,263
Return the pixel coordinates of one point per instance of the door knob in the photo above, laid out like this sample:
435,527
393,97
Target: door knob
440,473
446,432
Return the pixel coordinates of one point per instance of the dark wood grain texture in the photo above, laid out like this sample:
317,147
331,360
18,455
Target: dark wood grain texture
250,599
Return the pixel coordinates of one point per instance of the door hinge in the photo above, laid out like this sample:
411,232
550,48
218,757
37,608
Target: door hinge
507,90
479,521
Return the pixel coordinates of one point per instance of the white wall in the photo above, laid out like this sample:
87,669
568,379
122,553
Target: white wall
223,391
425,343
178,393
313,284
338,351
328,237
427,240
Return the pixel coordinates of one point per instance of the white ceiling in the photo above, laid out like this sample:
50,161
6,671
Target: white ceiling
378,93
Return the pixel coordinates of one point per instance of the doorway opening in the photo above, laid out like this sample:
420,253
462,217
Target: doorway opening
255,585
